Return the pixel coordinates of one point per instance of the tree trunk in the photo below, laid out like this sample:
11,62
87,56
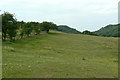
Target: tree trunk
4,37
48,31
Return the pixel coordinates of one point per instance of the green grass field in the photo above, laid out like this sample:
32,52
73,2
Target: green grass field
61,55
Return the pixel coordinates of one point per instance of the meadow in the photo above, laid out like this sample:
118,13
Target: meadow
61,55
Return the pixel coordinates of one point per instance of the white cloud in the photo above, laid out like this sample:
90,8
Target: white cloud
63,11
94,6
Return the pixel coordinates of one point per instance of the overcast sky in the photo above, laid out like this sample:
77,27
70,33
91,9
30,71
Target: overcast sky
79,14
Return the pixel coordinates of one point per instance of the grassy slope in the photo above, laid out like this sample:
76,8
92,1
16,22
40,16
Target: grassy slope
61,55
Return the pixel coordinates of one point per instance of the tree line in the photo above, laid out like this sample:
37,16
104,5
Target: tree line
86,32
11,28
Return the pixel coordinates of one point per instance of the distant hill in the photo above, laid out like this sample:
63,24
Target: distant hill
66,29
109,31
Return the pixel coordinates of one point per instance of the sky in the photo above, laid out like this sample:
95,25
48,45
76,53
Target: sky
79,14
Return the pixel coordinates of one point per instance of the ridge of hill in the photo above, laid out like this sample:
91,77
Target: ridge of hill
67,29
109,31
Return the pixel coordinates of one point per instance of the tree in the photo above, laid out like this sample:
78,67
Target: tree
88,33
5,17
28,28
37,29
53,26
12,31
8,26
21,28
46,26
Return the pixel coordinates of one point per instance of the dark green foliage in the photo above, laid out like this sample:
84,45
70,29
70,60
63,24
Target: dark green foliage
53,26
66,29
8,26
5,17
109,31
28,29
21,28
12,31
46,26
88,32
11,27
37,29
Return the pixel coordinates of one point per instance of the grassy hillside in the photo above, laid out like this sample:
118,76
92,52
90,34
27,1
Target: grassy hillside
109,31
61,55
66,29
